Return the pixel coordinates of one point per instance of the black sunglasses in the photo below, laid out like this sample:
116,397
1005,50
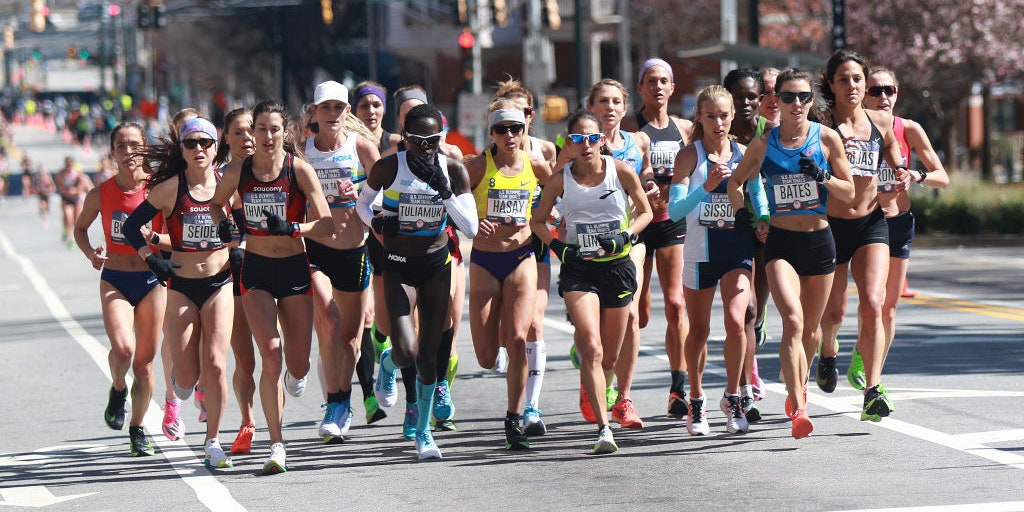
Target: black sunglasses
878,90
578,138
193,143
502,129
790,97
424,141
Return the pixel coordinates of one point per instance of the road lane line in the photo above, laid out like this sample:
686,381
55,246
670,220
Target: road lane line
209,491
994,436
1005,506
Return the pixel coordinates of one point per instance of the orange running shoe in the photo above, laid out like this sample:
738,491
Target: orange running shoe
585,409
624,413
789,407
802,426
243,443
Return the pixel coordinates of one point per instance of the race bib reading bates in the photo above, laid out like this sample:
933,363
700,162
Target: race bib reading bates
886,179
795,192
329,183
508,206
256,202
586,237
716,212
863,156
198,232
419,212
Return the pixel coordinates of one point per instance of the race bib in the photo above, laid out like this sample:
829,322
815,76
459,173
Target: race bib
586,237
198,232
886,179
716,212
508,206
117,219
419,212
794,192
863,156
256,202
663,160
329,184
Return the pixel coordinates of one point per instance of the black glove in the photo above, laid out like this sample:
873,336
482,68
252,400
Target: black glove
613,243
431,174
810,168
278,226
743,219
385,226
163,269
235,257
224,231
564,251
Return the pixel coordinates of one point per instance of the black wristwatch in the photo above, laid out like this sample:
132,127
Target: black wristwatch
924,176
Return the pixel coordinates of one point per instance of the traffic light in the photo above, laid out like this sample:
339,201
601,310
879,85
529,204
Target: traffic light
463,11
113,10
37,18
327,11
466,42
145,16
8,37
500,12
551,16
159,16
72,52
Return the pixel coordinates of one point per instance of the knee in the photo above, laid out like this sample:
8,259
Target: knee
792,324
698,333
673,308
272,362
121,352
834,315
143,370
870,308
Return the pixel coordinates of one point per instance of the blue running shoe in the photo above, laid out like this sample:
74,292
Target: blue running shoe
384,386
533,425
444,409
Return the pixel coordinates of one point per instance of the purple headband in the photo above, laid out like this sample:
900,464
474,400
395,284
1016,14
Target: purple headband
197,124
367,90
650,63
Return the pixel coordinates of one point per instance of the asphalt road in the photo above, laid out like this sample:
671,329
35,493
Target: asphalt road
955,442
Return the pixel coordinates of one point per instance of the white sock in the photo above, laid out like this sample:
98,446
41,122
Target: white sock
536,361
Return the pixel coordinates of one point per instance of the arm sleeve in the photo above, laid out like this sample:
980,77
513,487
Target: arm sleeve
133,224
238,215
758,198
680,203
462,210
364,203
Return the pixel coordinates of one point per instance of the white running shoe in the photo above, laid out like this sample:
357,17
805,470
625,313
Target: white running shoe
384,385
426,448
501,366
605,442
735,420
697,418
294,387
330,430
215,456
276,462
533,425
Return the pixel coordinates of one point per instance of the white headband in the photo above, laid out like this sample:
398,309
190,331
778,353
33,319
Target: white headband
506,114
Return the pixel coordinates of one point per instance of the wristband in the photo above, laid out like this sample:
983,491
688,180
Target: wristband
155,240
295,230
924,176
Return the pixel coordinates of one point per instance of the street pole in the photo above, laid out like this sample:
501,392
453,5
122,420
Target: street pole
371,37
625,47
581,75
536,76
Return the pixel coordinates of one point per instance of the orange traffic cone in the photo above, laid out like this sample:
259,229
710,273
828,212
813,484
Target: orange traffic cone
907,292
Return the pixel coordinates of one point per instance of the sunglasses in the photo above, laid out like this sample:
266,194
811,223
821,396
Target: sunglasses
790,97
878,90
193,143
578,138
502,129
424,141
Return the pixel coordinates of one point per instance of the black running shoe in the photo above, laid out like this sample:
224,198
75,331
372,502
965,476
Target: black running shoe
750,410
762,336
115,414
825,374
876,405
140,443
515,439
677,407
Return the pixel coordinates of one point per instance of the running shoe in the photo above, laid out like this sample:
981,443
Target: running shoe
750,411
757,383
384,386
885,393
378,347
243,441
876,405
802,426
826,375
761,332
444,425
611,395
624,413
789,406
453,368
115,414
200,401
277,461
373,411
585,409
140,443
426,448
330,427
501,366
697,418
515,439
855,373
444,409
533,425
409,425
677,405
294,387
735,420
173,426
574,357
605,442
215,456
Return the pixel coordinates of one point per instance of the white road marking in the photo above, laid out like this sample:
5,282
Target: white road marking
35,496
993,436
209,491
1005,506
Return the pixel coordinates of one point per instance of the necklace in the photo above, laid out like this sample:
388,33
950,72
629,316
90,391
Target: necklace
795,137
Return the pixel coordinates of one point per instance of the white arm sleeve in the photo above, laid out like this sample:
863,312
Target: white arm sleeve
462,210
366,198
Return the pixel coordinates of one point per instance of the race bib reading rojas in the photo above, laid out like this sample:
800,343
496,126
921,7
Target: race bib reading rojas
586,237
508,206
795,192
863,156
419,212
256,202
716,212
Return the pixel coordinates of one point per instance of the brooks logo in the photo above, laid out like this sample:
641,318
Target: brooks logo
607,193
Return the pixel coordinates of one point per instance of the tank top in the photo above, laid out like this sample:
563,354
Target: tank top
280,195
709,227
630,152
385,141
887,175
189,225
590,211
789,191
505,199
115,206
340,164
864,155
418,207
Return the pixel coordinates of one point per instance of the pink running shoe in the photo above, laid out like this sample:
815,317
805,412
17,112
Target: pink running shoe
173,426
757,385
200,402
